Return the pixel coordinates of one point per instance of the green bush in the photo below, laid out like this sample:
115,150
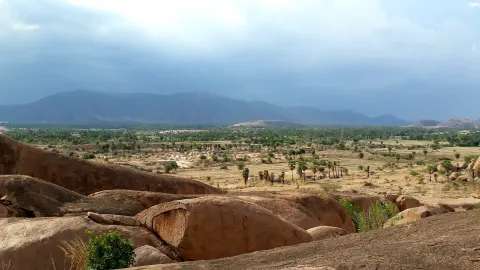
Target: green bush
374,218
88,156
224,167
377,215
109,251
354,211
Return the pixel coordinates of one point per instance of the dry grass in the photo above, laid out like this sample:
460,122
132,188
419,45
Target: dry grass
75,253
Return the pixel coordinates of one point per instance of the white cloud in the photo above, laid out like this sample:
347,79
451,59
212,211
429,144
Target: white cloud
20,26
474,4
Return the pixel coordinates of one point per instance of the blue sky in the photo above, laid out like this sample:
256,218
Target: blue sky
412,58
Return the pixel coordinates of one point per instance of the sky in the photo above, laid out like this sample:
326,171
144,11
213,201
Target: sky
416,59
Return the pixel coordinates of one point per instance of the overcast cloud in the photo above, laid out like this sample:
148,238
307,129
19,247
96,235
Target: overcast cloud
415,59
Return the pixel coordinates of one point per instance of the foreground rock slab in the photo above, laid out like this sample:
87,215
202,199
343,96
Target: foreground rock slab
35,243
213,227
441,242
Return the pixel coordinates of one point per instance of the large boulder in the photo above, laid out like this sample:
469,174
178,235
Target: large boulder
324,232
214,227
363,202
328,210
417,213
36,243
25,196
476,167
148,255
87,177
405,202
292,212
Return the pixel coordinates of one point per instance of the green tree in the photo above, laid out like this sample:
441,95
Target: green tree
302,167
109,251
457,155
314,169
245,175
361,155
291,166
425,152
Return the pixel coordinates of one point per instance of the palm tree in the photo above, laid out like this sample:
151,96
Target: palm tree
314,169
329,166
425,152
291,165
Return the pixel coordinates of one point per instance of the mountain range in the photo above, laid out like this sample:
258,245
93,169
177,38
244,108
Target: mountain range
83,106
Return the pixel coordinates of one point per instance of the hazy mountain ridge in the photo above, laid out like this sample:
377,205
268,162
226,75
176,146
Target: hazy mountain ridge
83,106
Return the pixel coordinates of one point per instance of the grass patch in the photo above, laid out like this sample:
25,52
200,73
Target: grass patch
374,218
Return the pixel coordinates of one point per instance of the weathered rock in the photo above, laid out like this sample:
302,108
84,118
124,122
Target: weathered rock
290,211
108,219
213,227
417,213
148,255
323,232
363,202
35,243
25,196
459,204
329,211
476,167
391,197
405,202
146,198
87,177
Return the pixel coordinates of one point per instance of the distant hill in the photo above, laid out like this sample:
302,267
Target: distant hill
457,123
425,123
83,106
269,123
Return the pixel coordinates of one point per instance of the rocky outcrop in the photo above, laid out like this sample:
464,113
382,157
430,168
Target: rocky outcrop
35,243
113,219
87,177
430,243
145,198
25,196
148,255
328,210
417,213
405,202
292,212
213,227
323,232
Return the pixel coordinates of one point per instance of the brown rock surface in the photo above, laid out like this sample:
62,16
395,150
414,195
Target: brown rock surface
34,243
363,202
87,177
323,232
430,243
405,202
329,211
113,219
417,213
148,255
476,167
290,211
215,227
25,196
146,198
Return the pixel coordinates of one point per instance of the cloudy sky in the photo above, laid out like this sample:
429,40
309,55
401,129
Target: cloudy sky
412,58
